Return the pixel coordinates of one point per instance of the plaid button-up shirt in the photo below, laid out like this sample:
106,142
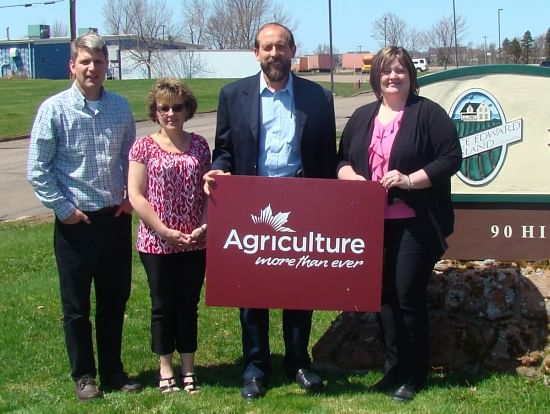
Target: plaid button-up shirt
78,156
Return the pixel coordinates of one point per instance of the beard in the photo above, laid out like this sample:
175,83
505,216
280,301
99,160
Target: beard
276,69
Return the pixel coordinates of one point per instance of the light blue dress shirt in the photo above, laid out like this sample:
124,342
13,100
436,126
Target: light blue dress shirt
279,147
78,156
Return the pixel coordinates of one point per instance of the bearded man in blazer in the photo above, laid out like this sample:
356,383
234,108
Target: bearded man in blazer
274,124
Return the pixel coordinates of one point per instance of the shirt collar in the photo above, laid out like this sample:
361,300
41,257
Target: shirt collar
79,99
289,87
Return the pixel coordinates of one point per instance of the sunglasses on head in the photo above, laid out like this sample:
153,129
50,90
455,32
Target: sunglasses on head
175,108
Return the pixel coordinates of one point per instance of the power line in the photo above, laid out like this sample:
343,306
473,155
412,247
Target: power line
32,4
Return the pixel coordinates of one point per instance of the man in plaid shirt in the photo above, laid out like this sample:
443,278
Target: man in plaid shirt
78,165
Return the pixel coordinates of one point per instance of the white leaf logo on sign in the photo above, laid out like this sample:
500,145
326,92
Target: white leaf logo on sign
276,222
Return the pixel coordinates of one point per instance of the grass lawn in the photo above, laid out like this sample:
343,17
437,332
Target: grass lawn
20,99
34,373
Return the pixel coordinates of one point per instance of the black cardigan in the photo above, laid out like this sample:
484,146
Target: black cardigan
427,139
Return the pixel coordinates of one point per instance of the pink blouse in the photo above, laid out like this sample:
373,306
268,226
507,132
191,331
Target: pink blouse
174,190
379,156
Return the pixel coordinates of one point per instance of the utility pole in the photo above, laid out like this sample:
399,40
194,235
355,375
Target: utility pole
485,50
72,18
330,45
456,44
499,51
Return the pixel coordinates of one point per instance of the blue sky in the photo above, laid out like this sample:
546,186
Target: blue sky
351,19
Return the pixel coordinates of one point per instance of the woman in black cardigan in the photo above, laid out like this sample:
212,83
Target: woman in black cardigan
410,145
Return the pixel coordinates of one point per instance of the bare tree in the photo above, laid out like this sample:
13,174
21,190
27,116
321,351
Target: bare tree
195,18
241,19
441,37
321,49
415,41
233,24
468,53
538,49
58,29
150,21
491,52
117,15
218,29
389,30
185,64
280,15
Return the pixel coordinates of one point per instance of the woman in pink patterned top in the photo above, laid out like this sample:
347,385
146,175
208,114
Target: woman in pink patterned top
165,188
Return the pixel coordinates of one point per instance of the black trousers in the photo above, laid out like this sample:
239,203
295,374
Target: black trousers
102,252
175,282
255,337
409,258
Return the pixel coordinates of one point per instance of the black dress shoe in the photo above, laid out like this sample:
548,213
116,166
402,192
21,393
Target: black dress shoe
308,380
120,382
253,388
404,393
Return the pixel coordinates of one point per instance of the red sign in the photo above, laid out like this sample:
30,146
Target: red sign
295,243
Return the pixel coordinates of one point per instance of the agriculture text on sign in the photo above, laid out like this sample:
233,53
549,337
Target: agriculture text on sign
294,243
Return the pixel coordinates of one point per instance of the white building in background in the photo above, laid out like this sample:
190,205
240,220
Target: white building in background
192,64
39,56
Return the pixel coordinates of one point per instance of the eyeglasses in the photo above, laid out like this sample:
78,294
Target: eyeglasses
175,108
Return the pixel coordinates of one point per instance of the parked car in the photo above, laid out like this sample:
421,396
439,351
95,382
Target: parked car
545,63
421,64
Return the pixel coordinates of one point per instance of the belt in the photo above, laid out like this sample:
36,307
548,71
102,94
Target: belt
105,211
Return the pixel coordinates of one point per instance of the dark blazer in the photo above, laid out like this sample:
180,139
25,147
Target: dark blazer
238,128
427,139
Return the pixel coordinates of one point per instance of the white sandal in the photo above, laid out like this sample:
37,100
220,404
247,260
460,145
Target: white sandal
168,385
190,386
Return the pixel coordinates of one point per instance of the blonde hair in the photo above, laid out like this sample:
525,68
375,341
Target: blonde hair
90,41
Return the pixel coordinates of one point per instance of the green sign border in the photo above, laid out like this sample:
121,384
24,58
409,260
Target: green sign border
529,70
520,69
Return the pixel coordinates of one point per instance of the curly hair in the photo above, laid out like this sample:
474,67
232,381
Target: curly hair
172,91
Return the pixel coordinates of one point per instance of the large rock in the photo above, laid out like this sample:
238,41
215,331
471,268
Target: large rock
483,317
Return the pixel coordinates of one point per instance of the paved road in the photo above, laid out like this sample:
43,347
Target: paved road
18,201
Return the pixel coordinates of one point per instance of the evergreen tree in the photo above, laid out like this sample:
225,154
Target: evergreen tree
515,50
547,44
506,49
526,46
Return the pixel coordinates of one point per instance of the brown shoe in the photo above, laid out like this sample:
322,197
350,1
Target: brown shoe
87,389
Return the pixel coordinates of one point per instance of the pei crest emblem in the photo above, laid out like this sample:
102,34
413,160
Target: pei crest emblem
484,135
